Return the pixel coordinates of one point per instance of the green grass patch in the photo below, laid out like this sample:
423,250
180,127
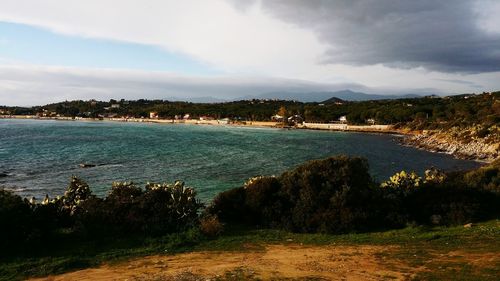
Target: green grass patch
417,246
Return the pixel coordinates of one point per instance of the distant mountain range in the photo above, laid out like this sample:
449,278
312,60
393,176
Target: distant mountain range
346,95
198,99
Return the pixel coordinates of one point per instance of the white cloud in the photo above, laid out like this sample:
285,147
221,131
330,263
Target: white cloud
211,31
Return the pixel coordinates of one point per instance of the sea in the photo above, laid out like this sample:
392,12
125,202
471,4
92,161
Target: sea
38,157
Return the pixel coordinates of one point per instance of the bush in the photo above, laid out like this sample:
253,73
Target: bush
403,183
77,191
328,195
448,204
211,226
338,195
15,219
158,209
486,178
230,206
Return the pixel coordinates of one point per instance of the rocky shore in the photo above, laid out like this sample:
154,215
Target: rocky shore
481,149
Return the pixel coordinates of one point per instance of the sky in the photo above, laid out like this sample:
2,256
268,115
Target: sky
54,50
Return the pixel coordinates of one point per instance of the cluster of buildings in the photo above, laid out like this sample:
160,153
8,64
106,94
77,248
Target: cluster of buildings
47,113
291,120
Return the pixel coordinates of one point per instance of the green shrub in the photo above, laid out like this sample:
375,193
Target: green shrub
169,207
158,209
455,197
330,195
403,183
487,177
77,191
449,204
338,195
15,219
211,226
230,206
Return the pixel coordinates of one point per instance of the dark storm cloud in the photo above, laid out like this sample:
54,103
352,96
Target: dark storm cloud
438,35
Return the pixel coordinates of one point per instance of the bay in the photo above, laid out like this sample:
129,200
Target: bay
39,156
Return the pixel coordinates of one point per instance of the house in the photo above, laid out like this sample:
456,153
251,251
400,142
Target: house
370,121
277,118
186,117
343,119
115,105
223,121
153,115
206,118
295,119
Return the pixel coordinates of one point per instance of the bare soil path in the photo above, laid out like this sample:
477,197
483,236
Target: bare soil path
274,262
292,262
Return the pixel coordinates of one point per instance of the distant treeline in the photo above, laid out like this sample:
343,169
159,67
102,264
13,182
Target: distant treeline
334,195
418,113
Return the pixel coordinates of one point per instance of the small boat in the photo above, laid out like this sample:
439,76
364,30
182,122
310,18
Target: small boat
85,165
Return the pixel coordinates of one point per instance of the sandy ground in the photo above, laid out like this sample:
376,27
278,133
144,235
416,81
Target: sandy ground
275,261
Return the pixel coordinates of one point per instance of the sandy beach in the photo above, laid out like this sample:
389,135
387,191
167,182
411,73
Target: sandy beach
259,124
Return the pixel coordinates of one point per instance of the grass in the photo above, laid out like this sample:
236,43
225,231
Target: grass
419,247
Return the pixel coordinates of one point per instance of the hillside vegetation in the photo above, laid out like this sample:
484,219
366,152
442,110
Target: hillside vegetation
418,113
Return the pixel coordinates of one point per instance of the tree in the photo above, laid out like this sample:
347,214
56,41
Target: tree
283,112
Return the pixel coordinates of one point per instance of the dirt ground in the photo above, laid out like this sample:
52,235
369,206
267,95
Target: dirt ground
274,262
288,262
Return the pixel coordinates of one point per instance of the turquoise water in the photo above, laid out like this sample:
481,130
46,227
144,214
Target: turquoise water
38,157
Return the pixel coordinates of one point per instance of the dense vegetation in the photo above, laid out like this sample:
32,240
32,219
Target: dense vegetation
338,195
420,113
329,196
158,209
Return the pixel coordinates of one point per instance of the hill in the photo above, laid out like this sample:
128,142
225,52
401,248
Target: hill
333,100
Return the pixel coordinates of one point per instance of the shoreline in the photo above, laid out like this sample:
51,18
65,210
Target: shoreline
384,129
431,141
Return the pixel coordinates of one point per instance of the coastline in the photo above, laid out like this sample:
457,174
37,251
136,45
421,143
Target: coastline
444,142
433,141
387,129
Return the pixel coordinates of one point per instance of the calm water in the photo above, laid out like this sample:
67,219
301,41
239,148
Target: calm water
40,156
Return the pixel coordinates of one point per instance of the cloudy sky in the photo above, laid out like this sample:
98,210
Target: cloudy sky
53,50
